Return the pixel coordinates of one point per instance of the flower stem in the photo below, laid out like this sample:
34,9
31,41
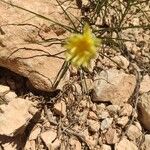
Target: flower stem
61,74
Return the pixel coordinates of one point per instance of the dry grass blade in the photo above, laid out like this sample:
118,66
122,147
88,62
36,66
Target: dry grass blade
67,15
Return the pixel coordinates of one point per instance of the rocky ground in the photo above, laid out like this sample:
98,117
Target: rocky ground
105,107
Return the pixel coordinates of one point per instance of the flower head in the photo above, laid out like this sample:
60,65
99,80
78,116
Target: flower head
81,48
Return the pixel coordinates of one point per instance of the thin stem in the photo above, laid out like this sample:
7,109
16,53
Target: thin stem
61,74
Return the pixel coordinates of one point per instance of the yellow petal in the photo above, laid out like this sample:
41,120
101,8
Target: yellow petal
81,48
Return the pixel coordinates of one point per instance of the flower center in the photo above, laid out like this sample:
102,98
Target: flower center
82,46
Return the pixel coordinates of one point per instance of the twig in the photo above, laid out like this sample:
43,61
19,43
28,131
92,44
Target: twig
78,135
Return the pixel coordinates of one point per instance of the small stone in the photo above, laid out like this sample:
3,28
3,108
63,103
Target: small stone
10,96
114,86
56,144
100,109
83,116
122,121
135,21
85,2
2,108
49,138
33,110
9,146
34,134
60,108
33,144
105,147
106,123
138,125
101,106
94,126
75,144
84,103
146,144
104,114
97,147
4,89
126,110
122,61
100,141
94,107
144,109
9,123
30,145
125,144
113,109
92,142
92,115
111,136
145,84
133,133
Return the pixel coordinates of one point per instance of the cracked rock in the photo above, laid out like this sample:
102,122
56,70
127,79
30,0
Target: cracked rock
114,86
9,123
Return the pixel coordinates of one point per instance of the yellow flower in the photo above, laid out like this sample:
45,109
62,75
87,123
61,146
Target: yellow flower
81,48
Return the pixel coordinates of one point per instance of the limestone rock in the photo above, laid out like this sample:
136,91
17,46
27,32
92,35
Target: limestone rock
92,115
144,109
104,114
20,52
133,133
105,147
34,134
106,123
75,144
60,108
122,121
9,146
111,136
122,61
145,84
115,62
126,110
9,123
4,89
83,116
84,103
114,86
138,125
94,126
30,145
125,144
90,140
146,144
113,109
49,138
10,96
